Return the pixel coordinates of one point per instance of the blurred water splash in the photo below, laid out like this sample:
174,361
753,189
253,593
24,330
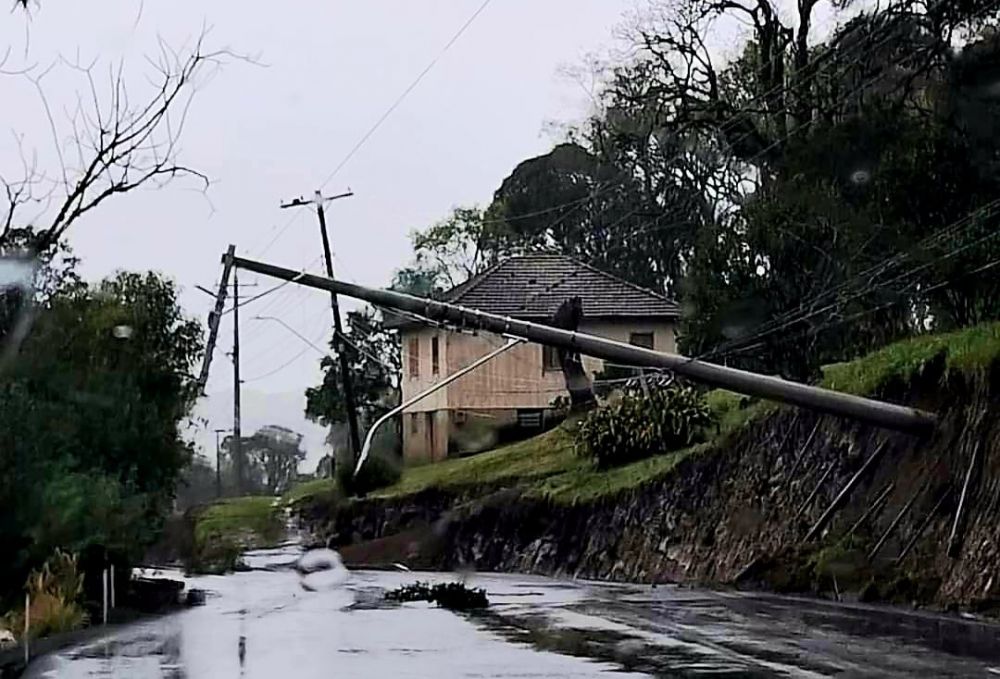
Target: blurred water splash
321,570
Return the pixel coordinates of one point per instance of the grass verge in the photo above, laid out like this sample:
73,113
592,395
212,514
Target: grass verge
544,455
311,489
587,483
967,350
225,529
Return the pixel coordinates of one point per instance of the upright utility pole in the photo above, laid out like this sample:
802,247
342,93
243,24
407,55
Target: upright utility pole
218,463
237,440
338,345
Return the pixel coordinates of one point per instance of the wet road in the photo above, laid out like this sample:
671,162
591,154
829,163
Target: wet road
536,627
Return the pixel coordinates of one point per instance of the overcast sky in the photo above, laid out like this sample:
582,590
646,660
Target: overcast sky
269,132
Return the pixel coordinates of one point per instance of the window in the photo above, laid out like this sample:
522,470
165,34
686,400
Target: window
641,339
529,418
550,359
414,424
414,353
435,357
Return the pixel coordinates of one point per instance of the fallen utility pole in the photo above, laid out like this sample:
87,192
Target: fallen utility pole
338,332
886,415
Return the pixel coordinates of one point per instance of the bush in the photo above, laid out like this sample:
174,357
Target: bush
453,595
54,592
640,426
378,471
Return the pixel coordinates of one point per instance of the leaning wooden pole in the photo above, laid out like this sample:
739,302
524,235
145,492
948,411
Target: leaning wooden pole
215,315
867,410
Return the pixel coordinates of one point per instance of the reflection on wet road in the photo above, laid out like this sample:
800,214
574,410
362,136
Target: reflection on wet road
537,627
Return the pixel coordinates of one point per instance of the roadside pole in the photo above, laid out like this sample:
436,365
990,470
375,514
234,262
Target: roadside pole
215,315
218,463
338,333
237,447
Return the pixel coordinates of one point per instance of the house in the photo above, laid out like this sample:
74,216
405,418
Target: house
512,394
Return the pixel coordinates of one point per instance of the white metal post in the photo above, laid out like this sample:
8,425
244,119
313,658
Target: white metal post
511,343
104,601
27,627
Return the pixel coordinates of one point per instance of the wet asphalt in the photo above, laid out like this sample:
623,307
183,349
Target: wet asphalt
264,623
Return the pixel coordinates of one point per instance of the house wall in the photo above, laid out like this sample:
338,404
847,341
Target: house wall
426,377
425,435
493,392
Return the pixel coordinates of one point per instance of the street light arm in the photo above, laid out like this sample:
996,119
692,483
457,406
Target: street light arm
293,331
511,343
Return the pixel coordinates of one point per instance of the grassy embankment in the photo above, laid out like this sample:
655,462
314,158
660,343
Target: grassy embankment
547,466
224,529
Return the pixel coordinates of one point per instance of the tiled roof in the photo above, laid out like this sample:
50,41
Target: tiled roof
533,286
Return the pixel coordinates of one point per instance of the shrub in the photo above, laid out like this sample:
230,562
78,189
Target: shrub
54,592
639,426
378,471
418,591
453,595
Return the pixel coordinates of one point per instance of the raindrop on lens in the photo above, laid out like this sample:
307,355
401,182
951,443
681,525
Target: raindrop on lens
122,331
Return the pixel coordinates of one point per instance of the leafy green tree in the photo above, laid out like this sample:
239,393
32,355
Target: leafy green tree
375,365
271,461
89,445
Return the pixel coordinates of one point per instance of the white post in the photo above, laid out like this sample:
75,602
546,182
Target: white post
27,626
105,597
366,448
112,586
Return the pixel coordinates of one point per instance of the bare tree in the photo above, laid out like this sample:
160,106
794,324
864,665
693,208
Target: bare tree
108,144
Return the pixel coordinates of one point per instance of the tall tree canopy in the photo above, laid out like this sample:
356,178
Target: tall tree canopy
90,448
808,199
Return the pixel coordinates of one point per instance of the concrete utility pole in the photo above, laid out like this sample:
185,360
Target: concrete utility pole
338,344
822,400
218,463
215,315
237,383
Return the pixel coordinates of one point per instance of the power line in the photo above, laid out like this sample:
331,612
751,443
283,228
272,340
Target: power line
784,138
284,365
406,92
269,290
385,115
861,314
791,318
577,202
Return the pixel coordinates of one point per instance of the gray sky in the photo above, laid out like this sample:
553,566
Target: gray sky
268,133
